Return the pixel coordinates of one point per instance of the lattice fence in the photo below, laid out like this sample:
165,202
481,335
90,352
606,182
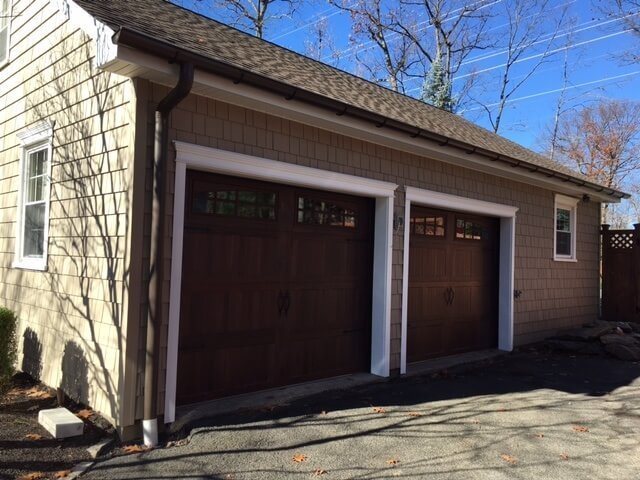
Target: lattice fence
621,274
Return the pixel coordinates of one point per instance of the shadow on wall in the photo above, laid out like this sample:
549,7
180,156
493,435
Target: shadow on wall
75,373
31,354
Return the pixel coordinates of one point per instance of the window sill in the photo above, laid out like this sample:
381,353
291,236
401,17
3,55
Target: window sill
39,264
565,259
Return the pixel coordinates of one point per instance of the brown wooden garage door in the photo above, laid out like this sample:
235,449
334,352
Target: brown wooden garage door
276,286
453,283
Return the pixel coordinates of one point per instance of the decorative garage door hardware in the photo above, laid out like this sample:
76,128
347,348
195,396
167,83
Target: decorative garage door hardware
284,302
449,296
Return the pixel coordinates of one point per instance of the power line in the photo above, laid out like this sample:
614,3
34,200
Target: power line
556,90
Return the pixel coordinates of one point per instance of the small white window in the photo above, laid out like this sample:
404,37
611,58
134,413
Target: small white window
5,23
564,242
33,198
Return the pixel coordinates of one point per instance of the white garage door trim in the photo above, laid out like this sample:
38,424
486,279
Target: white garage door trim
507,215
220,161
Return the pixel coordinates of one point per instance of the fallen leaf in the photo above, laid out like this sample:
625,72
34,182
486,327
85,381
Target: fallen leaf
379,410
581,429
178,443
318,471
134,449
84,414
62,474
508,458
539,435
33,436
415,414
564,456
14,392
299,458
32,476
35,392
393,461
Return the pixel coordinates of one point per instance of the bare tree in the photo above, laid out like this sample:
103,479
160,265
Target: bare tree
452,31
253,15
382,53
320,44
602,141
628,11
532,32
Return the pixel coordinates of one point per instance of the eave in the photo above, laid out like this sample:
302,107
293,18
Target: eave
134,54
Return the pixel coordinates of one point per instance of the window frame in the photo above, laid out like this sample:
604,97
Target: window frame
33,140
5,61
571,204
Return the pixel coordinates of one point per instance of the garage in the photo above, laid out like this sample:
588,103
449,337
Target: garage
453,283
276,286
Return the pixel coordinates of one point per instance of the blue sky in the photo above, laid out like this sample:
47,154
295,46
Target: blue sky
595,70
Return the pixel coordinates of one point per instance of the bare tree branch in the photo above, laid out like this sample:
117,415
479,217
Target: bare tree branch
531,26
254,15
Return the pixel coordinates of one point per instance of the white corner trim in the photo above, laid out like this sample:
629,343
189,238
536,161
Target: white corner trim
238,164
174,292
382,271
189,156
507,215
106,50
571,204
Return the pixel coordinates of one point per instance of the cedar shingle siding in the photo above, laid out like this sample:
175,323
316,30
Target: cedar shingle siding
555,295
73,316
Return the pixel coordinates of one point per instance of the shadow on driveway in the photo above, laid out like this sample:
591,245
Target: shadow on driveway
528,415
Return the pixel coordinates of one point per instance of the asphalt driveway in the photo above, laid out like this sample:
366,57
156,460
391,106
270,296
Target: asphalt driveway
525,416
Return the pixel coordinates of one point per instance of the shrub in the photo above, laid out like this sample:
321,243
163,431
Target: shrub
8,325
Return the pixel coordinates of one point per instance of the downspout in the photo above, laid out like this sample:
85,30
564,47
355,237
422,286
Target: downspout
156,253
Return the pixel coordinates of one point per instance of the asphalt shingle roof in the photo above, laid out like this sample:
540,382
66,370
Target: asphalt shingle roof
191,32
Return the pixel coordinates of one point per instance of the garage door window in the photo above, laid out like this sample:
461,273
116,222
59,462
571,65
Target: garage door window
236,203
469,230
318,212
429,226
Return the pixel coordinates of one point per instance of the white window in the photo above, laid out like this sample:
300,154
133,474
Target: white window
33,198
5,22
564,242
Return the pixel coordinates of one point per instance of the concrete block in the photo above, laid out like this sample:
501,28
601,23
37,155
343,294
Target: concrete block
60,422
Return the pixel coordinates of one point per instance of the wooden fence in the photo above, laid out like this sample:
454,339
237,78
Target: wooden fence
621,274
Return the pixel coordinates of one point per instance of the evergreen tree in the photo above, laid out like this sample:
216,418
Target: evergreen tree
436,89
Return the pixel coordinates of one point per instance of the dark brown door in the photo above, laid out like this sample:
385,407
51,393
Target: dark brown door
276,286
453,283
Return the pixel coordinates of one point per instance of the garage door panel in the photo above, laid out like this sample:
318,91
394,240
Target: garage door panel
453,289
273,298
428,263
462,263
425,338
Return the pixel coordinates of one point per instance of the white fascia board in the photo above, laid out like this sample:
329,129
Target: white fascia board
106,50
214,86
